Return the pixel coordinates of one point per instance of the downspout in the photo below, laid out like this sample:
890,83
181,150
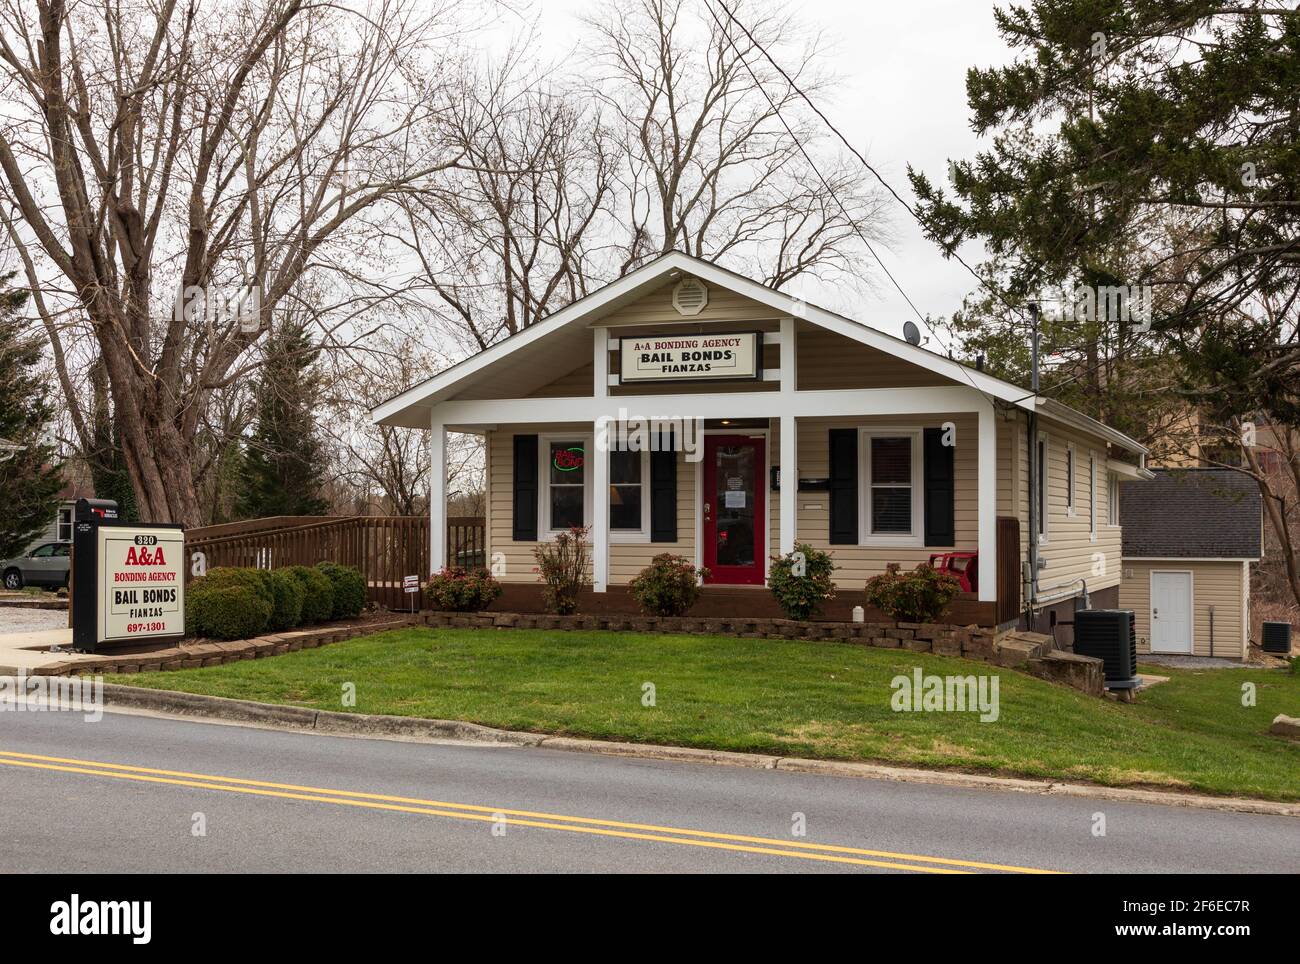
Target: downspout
1032,445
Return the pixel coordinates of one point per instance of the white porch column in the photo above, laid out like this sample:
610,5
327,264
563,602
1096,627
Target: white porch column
988,502
789,440
789,483
437,495
599,462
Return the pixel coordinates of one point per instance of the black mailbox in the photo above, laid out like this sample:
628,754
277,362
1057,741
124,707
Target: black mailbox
95,510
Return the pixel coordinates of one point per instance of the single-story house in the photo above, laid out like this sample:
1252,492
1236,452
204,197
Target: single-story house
772,422
1189,538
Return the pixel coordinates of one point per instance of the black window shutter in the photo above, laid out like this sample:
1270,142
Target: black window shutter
663,496
525,482
844,485
939,490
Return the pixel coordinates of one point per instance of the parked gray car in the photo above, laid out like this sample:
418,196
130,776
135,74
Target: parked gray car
46,565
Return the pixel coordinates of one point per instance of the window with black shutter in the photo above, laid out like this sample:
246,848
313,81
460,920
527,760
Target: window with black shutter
940,490
663,496
844,486
524,505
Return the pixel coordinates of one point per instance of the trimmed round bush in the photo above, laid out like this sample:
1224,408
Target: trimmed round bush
226,608
461,590
801,581
668,586
919,596
349,589
318,593
288,596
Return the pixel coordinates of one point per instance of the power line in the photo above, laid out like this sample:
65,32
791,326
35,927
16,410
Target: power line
825,184
856,153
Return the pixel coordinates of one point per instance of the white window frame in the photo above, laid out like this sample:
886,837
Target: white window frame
1044,503
544,477
1112,500
617,536
1071,473
1092,496
64,511
865,535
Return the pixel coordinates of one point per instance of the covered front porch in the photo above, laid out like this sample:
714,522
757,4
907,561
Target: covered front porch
749,475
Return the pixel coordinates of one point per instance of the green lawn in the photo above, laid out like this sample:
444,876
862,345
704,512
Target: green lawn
790,698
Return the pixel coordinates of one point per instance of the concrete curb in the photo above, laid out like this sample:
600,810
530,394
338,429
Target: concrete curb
419,729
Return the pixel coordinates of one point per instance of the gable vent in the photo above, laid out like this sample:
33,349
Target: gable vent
690,296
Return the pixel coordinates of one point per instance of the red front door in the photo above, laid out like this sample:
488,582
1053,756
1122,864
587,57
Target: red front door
735,514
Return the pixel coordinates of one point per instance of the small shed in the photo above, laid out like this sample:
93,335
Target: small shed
1189,538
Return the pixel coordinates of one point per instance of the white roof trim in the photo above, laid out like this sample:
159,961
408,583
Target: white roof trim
650,275
1129,471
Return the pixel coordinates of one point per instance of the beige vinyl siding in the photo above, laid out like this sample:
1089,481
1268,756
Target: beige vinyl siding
656,309
1069,552
827,360
576,384
1218,583
626,559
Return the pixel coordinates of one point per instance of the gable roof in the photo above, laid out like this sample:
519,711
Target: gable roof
412,407
1192,514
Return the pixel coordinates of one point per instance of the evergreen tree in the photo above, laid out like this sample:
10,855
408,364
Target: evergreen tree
30,473
1146,143
283,461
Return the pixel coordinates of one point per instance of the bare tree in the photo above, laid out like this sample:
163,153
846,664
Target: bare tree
514,231
160,162
379,469
722,160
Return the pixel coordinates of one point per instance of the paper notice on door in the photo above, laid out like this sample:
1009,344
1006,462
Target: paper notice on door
733,500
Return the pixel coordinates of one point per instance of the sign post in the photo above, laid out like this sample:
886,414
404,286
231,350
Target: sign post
411,585
128,580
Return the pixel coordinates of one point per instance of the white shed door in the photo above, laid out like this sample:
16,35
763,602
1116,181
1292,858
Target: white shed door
1171,612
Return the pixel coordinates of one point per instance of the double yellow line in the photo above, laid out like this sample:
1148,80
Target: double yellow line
519,818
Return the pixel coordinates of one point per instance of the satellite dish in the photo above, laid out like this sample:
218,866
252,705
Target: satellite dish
911,333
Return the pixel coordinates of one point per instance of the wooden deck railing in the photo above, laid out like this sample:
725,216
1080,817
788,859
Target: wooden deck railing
466,542
384,548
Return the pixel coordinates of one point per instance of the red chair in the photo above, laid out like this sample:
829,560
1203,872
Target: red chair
963,565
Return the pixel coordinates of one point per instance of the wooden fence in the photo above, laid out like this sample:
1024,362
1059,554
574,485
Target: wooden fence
384,548
466,542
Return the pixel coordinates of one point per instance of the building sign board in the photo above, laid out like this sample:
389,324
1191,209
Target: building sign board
716,357
140,582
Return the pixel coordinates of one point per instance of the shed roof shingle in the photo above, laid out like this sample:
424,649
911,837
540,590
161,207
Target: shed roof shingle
1192,514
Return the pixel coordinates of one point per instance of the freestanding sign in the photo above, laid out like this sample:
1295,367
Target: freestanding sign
142,583
128,583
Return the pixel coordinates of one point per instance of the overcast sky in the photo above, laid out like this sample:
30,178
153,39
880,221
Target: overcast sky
903,101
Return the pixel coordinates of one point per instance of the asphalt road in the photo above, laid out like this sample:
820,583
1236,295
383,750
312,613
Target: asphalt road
129,793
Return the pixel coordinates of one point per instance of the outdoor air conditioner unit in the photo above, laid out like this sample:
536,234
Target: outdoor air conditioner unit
1111,636
1277,638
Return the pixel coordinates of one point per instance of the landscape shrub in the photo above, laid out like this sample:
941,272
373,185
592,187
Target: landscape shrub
349,588
287,596
455,589
318,593
919,596
562,564
801,581
668,586
227,606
